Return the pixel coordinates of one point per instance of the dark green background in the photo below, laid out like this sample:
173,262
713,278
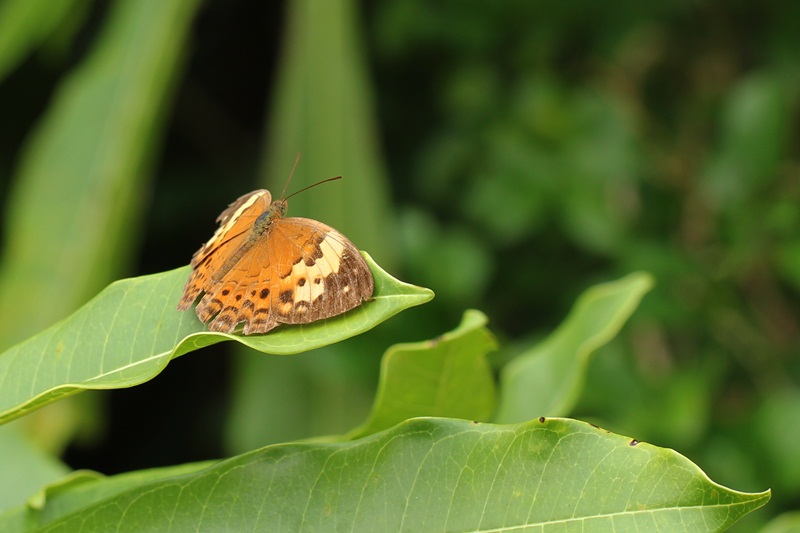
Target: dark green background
531,149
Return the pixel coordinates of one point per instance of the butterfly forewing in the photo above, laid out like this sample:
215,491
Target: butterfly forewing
234,227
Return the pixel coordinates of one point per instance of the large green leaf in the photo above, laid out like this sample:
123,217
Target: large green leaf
427,475
445,377
70,224
547,380
131,330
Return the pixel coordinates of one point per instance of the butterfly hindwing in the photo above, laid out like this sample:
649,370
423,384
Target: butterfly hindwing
321,273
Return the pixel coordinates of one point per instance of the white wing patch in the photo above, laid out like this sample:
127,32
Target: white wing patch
332,250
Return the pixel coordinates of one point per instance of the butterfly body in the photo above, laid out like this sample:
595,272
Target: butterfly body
264,269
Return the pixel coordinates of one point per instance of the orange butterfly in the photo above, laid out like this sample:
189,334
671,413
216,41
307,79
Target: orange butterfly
263,269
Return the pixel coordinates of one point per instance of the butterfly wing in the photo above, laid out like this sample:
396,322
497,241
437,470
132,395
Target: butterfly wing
235,224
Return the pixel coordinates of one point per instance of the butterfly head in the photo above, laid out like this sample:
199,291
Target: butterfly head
276,210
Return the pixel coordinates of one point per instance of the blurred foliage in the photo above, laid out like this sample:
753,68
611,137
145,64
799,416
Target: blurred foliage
533,148
552,144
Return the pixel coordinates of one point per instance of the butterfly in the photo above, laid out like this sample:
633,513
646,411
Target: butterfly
264,269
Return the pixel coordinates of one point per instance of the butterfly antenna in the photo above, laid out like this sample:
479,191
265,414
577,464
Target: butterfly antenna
296,160
313,185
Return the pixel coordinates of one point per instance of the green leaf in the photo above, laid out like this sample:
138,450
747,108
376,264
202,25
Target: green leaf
73,491
431,475
75,199
445,377
131,330
548,379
